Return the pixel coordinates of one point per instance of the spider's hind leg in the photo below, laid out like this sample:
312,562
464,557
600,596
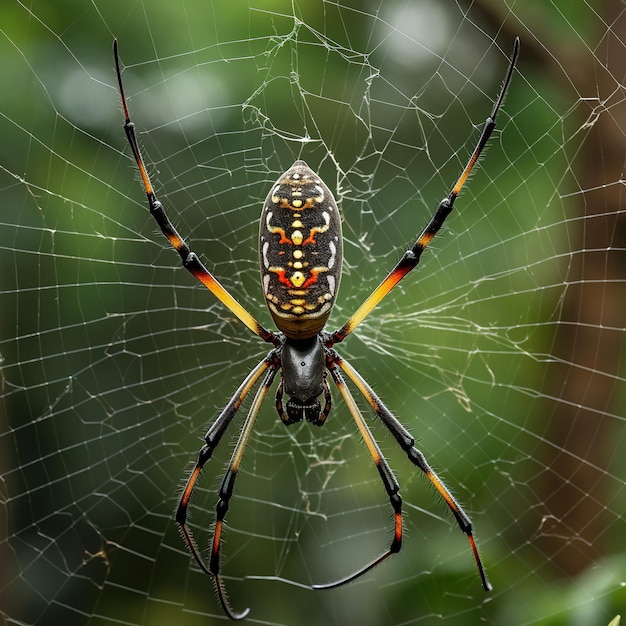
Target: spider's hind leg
407,442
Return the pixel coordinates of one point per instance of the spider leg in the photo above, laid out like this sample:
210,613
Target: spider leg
226,492
411,257
407,443
389,480
190,260
212,439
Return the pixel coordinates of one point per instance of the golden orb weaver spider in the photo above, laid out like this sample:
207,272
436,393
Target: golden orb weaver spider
300,222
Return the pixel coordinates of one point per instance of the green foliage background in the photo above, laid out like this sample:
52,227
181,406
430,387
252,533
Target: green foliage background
115,361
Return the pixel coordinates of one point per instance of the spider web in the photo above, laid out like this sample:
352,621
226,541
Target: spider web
502,353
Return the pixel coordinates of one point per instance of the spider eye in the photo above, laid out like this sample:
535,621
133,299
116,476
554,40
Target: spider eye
309,410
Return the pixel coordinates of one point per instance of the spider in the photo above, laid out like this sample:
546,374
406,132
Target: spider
300,256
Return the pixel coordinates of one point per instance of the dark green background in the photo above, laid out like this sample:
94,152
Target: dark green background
115,361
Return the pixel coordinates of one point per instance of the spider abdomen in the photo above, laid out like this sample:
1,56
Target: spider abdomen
300,252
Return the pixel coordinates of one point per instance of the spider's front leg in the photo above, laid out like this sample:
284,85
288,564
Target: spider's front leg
226,492
269,365
387,477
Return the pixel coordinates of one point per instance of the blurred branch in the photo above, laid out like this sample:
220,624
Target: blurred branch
588,343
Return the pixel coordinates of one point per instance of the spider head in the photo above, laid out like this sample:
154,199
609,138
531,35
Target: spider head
309,410
303,380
